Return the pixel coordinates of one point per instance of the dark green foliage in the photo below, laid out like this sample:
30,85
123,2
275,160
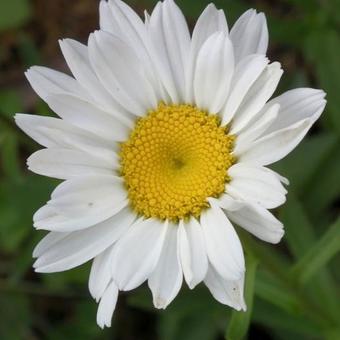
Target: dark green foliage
292,289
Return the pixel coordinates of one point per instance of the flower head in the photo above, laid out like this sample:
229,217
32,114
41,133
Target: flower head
163,140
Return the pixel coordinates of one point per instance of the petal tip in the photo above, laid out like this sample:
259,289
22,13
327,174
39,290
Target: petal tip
160,303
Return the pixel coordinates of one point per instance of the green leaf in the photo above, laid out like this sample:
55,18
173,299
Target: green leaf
14,13
80,325
240,321
287,30
15,318
192,326
332,334
193,315
19,200
333,7
324,189
23,263
77,277
10,103
273,318
299,233
28,51
279,268
323,50
277,263
300,237
319,255
271,290
141,298
9,155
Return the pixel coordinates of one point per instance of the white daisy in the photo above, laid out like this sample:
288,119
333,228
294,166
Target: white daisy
162,141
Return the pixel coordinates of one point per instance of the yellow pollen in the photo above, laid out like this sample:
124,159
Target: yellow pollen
175,158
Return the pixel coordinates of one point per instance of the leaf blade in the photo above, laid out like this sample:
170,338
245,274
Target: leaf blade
319,255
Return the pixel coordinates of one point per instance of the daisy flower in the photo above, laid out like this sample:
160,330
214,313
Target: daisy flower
162,142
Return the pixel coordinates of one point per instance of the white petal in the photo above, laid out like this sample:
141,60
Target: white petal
46,81
226,202
210,21
224,291
283,180
47,242
136,254
67,163
255,219
166,280
246,73
53,132
81,203
121,20
125,23
249,34
222,243
82,193
192,251
121,72
77,58
147,17
170,36
257,96
256,127
276,145
296,105
85,141
214,71
107,306
258,221
100,275
255,184
87,116
81,246
107,21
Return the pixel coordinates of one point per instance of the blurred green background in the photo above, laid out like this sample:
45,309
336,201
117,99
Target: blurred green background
294,287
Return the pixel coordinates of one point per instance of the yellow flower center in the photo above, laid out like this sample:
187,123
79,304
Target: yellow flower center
175,158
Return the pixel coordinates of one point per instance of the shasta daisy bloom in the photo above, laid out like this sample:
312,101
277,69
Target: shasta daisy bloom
162,142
